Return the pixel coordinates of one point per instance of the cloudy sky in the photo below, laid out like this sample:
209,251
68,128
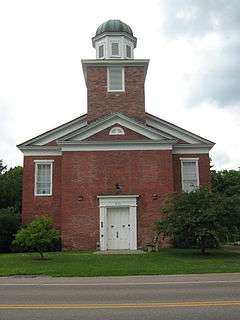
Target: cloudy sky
193,78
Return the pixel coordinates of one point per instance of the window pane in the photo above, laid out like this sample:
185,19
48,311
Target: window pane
128,49
115,49
115,78
100,51
189,176
43,183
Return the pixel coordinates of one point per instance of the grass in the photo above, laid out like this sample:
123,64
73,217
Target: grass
167,261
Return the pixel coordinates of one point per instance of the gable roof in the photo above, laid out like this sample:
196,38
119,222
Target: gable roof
159,131
175,131
56,133
110,120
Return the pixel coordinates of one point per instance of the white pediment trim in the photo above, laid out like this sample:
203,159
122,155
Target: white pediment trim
56,133
115,119
116,145
175,131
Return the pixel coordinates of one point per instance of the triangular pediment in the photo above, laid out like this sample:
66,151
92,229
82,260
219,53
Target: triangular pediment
180,134
99,130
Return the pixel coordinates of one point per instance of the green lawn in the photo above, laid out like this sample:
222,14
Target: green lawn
167,261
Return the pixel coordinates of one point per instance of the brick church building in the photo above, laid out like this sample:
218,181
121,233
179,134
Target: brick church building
104,176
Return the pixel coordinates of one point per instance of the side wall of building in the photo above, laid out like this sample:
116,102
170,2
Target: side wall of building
38,205
204,169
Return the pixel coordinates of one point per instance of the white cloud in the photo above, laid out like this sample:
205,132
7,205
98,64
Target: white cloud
41,80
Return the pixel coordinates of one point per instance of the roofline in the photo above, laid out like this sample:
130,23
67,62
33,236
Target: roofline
108,117
108,62
114,142
66,124
169,124
113,34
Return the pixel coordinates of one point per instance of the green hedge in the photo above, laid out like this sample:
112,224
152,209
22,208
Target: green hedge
9,224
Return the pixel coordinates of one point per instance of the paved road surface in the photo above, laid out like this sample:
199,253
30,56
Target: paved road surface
190,297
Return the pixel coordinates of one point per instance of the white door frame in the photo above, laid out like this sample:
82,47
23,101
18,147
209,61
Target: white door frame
117,201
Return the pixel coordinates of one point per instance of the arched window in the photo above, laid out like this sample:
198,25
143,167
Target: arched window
116,131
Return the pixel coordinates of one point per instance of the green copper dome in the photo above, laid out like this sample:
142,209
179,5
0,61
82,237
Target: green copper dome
114,26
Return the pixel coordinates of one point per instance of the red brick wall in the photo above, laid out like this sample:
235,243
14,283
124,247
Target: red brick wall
89,174
129,135
79,177
101,102
35,205
204,169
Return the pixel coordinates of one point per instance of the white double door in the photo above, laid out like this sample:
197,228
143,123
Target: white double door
118,228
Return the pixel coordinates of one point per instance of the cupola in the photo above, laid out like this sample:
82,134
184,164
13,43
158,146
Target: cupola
114,39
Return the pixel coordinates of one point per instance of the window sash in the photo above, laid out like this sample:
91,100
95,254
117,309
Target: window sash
128,51
115,48
43,178
115,79
190,177
101,51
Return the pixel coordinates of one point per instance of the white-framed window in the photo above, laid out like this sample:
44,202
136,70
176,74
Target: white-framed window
115,49
128,51
116,131
101,51
43,185
115,79
190,174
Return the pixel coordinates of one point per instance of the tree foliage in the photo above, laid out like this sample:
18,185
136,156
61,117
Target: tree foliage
11,188
200,218
9,224
37,236
226,182
2,167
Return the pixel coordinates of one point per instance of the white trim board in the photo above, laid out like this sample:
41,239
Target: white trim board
56,133
115,119
117,201
176,131
116,147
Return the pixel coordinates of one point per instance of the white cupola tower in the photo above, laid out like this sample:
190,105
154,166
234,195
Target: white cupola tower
114,40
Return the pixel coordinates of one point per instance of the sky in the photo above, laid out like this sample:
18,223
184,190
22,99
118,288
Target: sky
193,78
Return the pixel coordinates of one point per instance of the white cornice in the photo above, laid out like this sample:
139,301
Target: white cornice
56,133
108,62
176,131
115,119
191,148
114,145
41,151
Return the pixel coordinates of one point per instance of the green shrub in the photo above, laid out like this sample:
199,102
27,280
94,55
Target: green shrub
9,224
37,236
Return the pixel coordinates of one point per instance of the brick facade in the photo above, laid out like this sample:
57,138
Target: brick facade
79,177
131,102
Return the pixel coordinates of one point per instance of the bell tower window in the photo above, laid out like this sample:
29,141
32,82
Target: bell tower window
115,49
115,79
128,51
101,51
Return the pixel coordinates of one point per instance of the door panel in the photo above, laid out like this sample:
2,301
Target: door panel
118,235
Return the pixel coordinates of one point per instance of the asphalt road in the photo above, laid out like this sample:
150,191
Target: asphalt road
214,296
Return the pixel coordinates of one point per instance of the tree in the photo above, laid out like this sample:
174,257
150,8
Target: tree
37,236
2,167
226,182
11,188
9,224
200,218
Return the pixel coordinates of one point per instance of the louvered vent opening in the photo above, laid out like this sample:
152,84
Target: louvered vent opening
115,79
129,53
115,49
101,51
